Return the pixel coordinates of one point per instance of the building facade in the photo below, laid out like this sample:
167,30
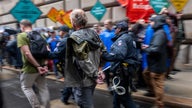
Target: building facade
114,12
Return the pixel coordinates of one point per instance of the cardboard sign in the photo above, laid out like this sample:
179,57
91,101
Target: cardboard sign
64,18
52,14
25,9
67,20
138,9
60,17
159,4
179,4
98,10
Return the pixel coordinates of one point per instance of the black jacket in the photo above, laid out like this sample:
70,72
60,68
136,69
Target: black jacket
156,52
122,50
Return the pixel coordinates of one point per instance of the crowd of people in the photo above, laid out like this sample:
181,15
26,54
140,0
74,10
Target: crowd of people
130,56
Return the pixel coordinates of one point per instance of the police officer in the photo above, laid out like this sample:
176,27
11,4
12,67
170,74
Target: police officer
123,54
59,53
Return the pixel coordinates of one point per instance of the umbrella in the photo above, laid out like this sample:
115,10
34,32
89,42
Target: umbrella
7,29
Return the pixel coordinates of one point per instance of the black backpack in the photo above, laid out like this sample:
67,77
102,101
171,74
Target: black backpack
37,45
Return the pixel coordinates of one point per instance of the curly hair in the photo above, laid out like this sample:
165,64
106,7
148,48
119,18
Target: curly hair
78,18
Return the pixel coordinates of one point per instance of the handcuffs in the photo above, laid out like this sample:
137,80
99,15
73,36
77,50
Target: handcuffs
120,90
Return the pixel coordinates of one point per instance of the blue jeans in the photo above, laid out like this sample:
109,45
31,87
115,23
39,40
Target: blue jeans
55,68
66,93
84,96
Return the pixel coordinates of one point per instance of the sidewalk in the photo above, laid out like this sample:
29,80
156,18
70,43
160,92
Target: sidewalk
177,91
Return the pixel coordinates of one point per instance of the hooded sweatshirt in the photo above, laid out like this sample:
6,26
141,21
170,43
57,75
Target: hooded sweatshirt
82,58
156,52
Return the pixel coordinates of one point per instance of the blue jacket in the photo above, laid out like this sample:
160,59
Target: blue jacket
59,51
53,44
106,37
148,35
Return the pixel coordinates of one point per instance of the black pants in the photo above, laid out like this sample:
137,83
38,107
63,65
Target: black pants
126,99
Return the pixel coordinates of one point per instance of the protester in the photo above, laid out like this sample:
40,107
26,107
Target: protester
19,63
170,51
3,41
156,58
53,40
106,37
2,44
148,37
11,47
164,11
1,63
33,70
82,60
178,36
123,54
138,33
97,28
59,53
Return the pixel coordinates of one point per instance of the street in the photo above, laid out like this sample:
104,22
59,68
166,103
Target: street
14,98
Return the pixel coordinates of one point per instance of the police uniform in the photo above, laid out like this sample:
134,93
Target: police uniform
123,54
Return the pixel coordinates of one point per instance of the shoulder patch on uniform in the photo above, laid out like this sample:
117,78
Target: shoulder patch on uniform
119,43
